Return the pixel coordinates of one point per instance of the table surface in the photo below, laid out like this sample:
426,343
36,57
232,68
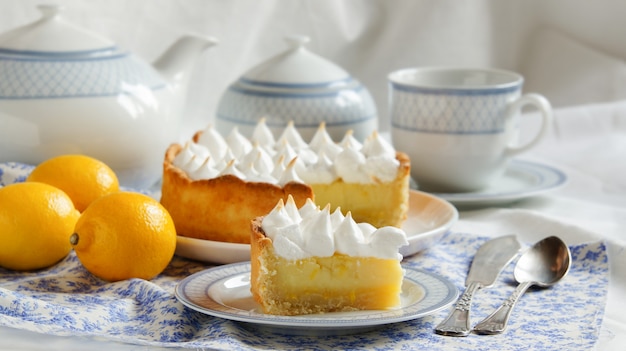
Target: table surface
588,143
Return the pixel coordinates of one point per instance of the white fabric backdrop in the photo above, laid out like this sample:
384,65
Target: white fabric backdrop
570,50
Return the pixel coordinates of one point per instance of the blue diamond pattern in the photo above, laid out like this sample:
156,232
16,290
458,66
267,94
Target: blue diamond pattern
63,78
346,106
463,113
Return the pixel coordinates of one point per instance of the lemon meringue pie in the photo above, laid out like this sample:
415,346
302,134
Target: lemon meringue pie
214,185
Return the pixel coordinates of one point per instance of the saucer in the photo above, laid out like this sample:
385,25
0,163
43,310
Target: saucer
224,292
520,180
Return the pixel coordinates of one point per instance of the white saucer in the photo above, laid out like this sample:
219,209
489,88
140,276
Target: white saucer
224,292
428,218
521,179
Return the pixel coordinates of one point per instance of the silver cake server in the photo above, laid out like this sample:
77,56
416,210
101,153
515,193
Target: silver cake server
487,264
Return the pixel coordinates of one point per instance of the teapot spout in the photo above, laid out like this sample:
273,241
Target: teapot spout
176,63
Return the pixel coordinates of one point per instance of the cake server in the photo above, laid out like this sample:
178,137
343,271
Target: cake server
487,264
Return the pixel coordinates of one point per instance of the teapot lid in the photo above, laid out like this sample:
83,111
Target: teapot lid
296,65
52,34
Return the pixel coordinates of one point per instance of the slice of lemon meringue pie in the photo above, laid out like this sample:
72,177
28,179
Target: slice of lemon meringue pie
313,261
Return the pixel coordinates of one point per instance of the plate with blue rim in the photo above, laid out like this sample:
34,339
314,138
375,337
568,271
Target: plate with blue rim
521,179
224,292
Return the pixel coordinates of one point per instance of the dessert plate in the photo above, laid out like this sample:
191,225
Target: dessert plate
224,292
428,219
212,251
521,179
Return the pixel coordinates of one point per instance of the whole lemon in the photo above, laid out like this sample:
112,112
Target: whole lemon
83,178
124,235
35,221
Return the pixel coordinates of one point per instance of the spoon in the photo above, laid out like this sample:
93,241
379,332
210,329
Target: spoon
544,264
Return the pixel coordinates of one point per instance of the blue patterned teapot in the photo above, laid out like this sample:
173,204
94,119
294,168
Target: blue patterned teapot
66,90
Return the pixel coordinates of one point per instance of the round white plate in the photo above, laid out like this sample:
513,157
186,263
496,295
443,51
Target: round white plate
428,218
521,179
224,292
212,251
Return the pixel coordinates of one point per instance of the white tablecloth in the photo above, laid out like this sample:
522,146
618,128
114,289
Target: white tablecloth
589,144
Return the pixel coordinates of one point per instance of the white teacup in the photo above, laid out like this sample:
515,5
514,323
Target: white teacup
459,126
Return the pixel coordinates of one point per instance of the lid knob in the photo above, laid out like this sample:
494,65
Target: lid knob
297,41
52,34
296,65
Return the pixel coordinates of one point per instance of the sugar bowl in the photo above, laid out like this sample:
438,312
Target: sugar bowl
300,86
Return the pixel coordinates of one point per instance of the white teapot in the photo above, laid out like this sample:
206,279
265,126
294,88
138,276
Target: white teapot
66,90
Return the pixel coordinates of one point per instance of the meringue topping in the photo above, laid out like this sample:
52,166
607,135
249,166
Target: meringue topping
263,158
263,135
311,231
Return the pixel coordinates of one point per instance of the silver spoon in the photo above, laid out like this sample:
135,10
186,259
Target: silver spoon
544,264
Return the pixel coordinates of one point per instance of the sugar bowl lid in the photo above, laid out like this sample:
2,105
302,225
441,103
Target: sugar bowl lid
51,34
296,66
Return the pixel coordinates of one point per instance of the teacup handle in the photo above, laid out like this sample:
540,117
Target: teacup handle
545,109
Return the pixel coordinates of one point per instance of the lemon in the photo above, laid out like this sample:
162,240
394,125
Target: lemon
83,178
35,221
124,235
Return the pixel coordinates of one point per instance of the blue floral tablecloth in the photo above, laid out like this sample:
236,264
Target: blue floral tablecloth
67,300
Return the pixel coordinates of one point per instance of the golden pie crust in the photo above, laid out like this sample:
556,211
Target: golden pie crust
221,208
